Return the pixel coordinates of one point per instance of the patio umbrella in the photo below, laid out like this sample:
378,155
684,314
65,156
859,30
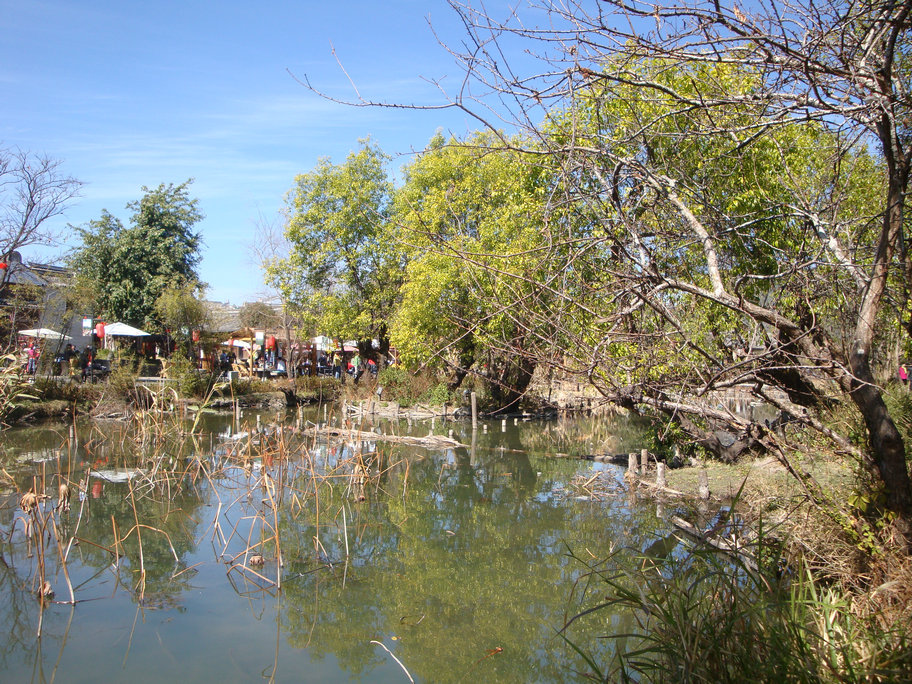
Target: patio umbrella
236,343
124,330
43,333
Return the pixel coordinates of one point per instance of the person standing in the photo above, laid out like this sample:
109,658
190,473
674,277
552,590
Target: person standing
356,366
33,353
904,375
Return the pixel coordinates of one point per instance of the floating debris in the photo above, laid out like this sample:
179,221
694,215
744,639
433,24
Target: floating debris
432,441
116,474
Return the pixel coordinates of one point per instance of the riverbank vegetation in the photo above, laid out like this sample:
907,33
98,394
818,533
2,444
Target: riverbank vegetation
691,202
691,207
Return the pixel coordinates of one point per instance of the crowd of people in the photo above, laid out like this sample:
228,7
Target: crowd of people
78,364
335,363
267,360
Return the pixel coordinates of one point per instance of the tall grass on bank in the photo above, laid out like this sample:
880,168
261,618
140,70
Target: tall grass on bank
13,385
704,617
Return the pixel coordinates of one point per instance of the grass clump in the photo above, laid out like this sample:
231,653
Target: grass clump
702,616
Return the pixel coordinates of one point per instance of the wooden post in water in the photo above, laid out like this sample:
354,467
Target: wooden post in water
474,412
704,484
644,461
660,474
631,467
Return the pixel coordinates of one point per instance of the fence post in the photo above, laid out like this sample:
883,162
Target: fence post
704,484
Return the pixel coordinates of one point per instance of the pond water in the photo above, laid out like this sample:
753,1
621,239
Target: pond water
451,561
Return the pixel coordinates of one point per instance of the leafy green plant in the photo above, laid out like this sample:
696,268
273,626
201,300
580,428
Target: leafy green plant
50,389
191,382
437,395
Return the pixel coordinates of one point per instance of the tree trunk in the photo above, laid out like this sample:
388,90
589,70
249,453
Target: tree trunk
887,447
888,450
509,379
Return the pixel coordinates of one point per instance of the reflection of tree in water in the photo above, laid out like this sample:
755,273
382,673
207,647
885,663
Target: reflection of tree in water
176,517
432,548
576,435
18,615
434,574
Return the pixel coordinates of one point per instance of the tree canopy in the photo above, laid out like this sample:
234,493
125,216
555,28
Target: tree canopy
124,270
468,211
342,264
726,160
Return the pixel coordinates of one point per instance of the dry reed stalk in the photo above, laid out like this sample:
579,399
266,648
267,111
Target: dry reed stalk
63,564
142,562
245,568
275,529
399,662
187,569
345,530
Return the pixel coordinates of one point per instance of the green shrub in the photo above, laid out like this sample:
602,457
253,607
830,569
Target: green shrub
404,387
191,381
246,386
437,395
122,381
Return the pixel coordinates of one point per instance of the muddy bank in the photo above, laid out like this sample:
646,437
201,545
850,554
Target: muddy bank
762,482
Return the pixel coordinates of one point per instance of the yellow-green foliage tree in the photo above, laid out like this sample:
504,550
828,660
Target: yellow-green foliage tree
727,89
470,216
342,266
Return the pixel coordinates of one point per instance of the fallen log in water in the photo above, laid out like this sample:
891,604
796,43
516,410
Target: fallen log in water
433,441
731,547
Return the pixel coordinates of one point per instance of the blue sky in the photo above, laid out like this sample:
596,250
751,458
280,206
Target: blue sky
129,94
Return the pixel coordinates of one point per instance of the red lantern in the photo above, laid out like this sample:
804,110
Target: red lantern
99,330
3,265
196,335
270,342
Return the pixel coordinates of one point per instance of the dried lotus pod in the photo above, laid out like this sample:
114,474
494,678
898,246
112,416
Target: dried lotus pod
28,502
257,560
63,500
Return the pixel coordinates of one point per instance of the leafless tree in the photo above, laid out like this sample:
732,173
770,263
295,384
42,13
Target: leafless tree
296,327
33,190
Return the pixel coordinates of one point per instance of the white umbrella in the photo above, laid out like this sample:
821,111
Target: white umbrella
124,330
43,333
236,343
